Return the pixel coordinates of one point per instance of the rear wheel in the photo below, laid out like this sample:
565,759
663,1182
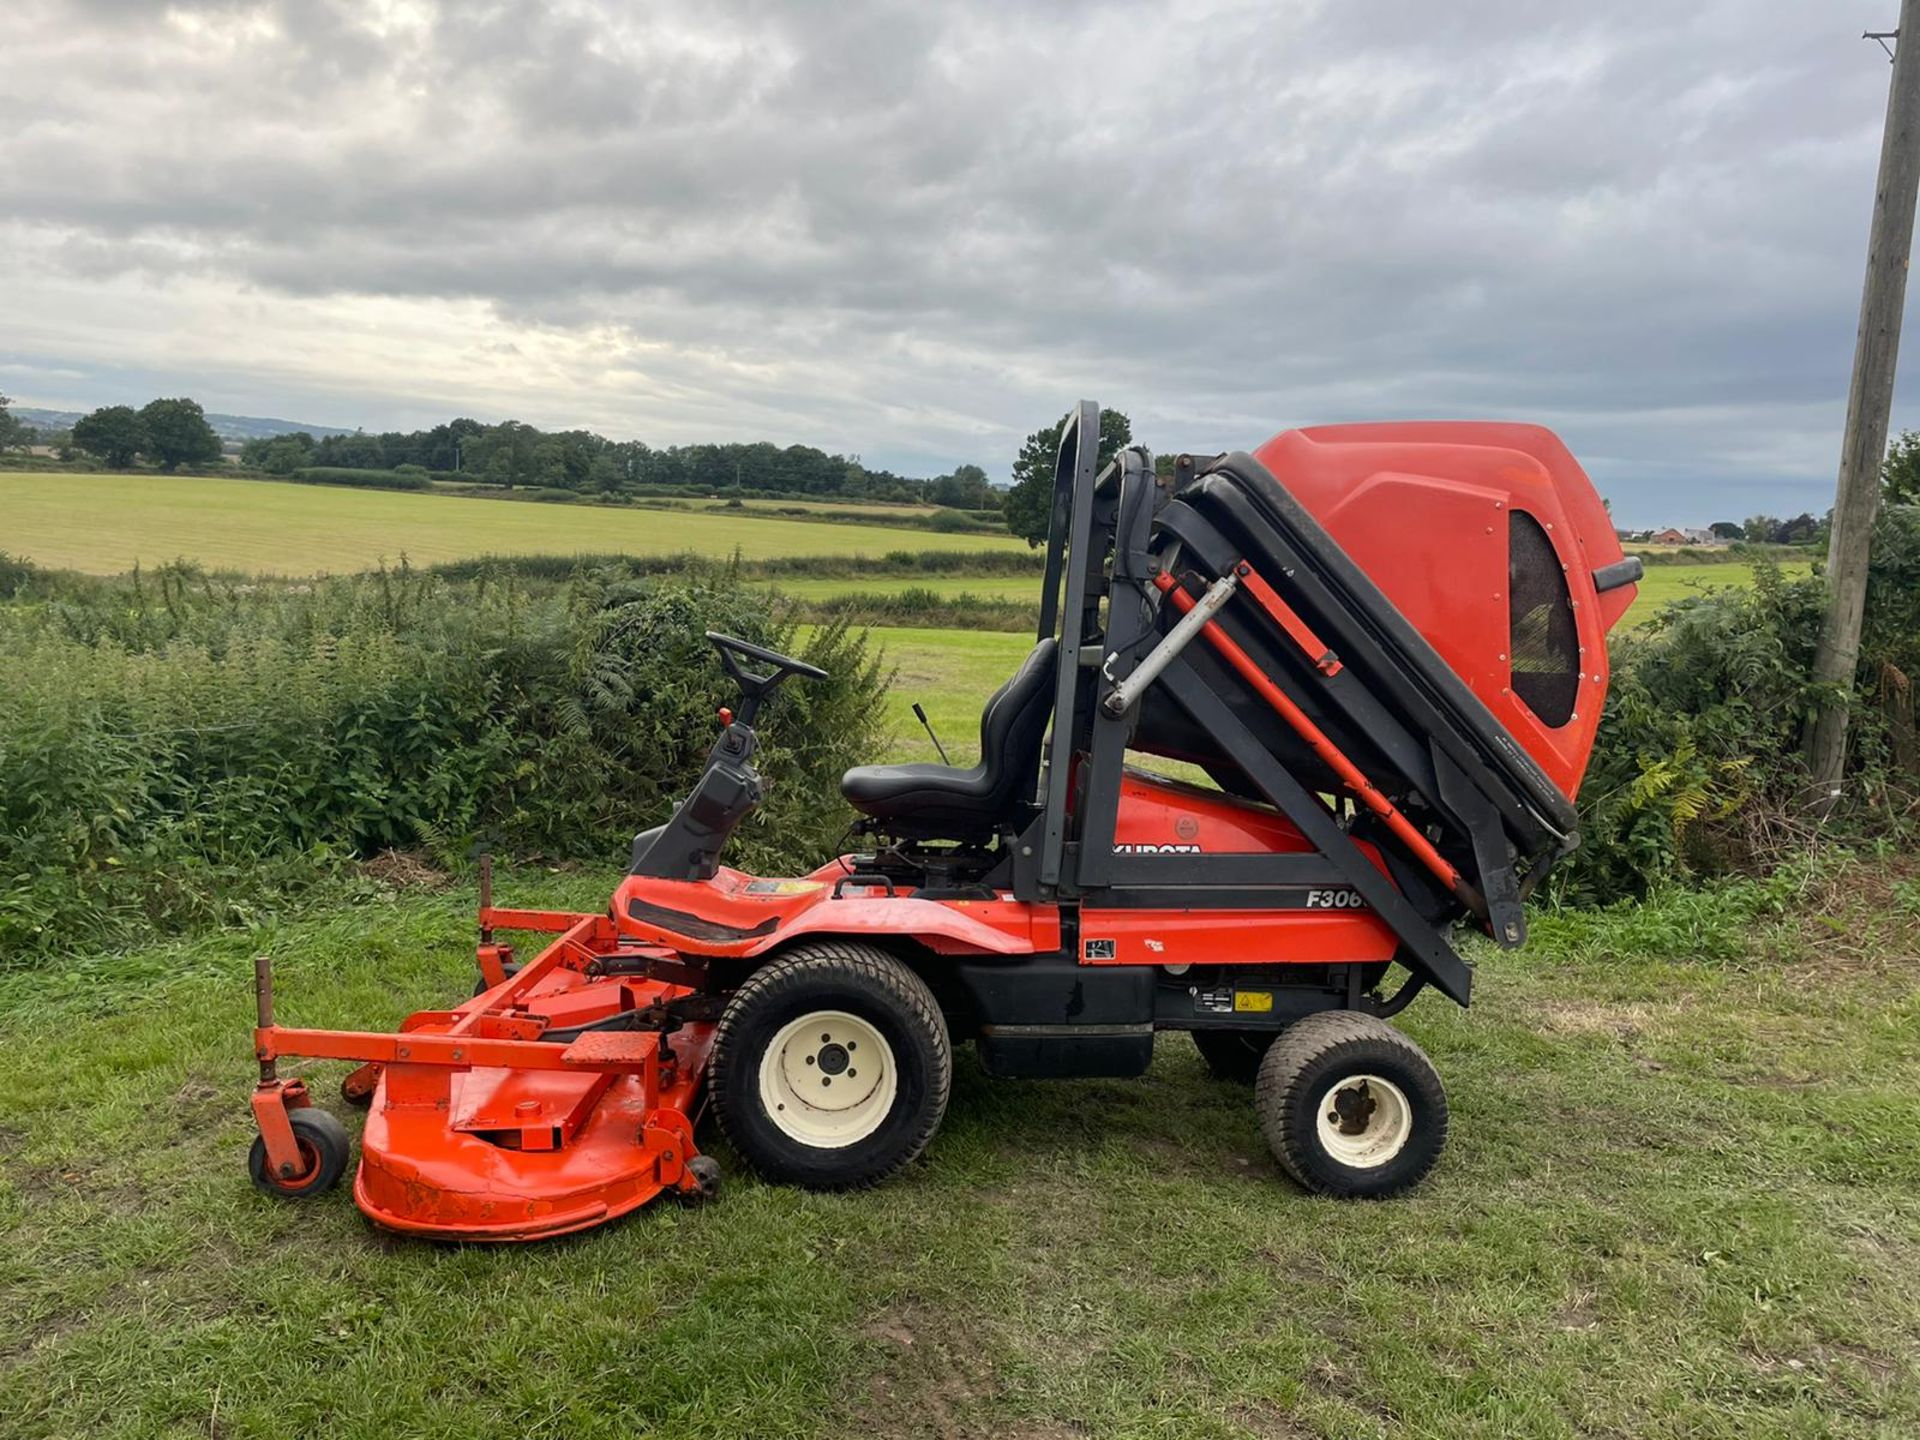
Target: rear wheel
1234,1054
1350,1106
831,1066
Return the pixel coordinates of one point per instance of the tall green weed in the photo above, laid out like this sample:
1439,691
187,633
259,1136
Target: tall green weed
177,750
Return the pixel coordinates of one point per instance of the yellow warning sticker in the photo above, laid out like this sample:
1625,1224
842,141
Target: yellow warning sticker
783,887
1259,1001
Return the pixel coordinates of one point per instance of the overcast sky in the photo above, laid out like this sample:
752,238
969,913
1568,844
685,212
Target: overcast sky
917,231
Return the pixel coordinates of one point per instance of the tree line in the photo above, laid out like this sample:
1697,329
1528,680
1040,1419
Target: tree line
514,455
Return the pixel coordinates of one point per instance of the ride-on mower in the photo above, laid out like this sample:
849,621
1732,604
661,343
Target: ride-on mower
1379,652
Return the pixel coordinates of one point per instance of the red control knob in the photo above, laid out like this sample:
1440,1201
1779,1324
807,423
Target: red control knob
726,716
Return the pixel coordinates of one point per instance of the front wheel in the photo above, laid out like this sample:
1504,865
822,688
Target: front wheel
831,1066
1350,1106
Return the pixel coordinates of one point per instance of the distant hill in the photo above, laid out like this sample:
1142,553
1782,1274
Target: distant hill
227,427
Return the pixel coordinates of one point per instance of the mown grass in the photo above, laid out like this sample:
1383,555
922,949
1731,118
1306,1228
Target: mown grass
104,524
1682,1199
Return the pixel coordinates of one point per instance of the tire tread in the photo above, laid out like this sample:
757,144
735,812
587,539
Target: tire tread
870,963
1282,1072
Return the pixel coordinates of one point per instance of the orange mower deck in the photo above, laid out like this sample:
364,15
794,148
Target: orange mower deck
479,1129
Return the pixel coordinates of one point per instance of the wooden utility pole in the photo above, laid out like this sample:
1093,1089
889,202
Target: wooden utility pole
1864,446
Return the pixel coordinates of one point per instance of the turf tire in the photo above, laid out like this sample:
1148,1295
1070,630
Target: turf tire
870,984
1311,1057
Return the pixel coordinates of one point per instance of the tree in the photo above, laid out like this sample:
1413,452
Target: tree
1728,530
178,433
1761,528
113,435
1029,506
279,454
965,489
13,434
1802,529
1900,471
358,451
504,454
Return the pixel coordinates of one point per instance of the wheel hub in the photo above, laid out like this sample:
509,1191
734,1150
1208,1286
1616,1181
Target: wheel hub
1364,1121
828,1079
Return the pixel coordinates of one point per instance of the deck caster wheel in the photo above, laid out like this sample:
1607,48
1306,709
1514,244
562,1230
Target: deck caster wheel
480,985
358,1086
1350,1106
705,1171
831,1066
1233,1054
324,1148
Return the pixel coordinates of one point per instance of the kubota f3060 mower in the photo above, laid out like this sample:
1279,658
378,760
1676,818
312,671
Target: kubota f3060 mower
1385,645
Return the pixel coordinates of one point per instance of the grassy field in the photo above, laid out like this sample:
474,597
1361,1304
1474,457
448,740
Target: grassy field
1682,1199
950,673
1666,583
104,523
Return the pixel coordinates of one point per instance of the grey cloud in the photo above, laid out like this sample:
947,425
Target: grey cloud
920,230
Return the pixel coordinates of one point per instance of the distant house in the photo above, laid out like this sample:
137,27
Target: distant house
1668,536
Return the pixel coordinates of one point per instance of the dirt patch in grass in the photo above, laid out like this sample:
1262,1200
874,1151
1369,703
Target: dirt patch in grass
98,1185
1624,1021
1268,1423
1854,921
933,1381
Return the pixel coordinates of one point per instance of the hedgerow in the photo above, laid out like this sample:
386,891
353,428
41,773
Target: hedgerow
177,750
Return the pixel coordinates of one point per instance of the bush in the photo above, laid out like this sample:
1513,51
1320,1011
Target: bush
1698,751
1698,770
15,575
918,606
176,751
956,522
361,479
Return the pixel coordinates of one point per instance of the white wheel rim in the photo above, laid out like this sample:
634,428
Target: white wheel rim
1364,1121
828,1079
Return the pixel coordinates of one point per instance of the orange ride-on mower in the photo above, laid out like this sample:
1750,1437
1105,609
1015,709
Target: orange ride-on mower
1384,646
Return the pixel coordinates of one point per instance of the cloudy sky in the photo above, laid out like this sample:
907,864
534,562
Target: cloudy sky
916,231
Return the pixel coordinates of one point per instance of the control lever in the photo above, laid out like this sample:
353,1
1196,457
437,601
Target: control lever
926,724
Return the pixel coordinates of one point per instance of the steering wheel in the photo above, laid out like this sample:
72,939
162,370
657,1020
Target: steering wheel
754,688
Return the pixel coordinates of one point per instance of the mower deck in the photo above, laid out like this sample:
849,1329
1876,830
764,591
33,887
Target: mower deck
496,1121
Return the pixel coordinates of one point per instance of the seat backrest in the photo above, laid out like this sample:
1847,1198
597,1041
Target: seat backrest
1015,720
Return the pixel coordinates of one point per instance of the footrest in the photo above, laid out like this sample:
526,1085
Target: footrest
612,1048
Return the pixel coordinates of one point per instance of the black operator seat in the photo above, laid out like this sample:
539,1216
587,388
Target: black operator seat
945,802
